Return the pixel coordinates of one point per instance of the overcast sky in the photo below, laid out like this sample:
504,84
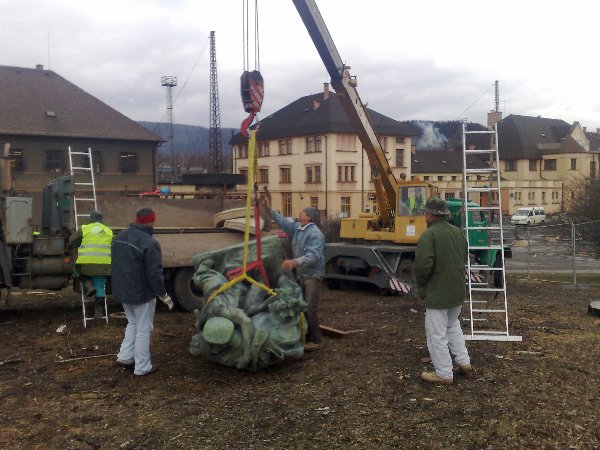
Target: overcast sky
426,59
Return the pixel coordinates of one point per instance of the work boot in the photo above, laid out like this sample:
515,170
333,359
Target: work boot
99,308
464,369
88,288
313,346
432,377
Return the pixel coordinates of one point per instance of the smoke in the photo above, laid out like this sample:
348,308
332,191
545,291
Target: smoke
430,138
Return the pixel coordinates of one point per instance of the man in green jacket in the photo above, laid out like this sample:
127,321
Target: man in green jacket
440,275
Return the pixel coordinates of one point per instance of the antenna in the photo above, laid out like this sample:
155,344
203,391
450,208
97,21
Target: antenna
497,97
170,82
215,141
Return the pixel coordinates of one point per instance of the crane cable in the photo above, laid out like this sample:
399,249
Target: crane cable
252,85
243,275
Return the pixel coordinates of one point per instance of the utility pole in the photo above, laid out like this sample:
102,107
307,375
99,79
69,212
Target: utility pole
215,141
170,82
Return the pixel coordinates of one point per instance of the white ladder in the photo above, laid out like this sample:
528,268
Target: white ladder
84,202
487,302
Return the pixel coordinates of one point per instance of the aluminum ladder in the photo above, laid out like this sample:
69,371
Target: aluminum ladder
487,300
84,202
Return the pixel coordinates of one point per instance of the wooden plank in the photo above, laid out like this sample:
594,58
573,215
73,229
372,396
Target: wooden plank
330,331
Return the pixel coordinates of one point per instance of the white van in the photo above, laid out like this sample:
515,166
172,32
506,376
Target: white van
529,216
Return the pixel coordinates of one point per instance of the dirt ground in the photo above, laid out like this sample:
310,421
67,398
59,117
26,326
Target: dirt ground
360,391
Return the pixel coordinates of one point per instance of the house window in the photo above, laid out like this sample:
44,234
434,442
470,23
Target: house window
243,151
286,202
317,143
453,177
346,142
54,161
285,146
129,162
426,178
317,174
309,144
16,159
543,197
97,161
263,176
345,208
573,163
510,166
285,174
399,157
549,164
448,195
309,174
314,202
383,142
399,139
244,173
263,149
345,173
532,165
440,178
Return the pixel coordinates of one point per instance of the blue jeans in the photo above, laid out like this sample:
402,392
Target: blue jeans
136,344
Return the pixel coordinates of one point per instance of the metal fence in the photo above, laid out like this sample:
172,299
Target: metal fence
567,251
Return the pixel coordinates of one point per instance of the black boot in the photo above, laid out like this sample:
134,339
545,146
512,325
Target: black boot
88,288
99,308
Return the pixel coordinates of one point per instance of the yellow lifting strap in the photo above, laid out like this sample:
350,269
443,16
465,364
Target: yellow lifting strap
249,186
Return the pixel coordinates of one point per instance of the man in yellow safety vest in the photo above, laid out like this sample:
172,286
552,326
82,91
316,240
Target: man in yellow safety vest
92,265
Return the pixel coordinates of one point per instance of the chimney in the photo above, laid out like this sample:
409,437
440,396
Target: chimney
585,129
325,91
598,131
316,104
493,118
39,66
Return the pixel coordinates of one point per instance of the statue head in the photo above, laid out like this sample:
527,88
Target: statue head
218,330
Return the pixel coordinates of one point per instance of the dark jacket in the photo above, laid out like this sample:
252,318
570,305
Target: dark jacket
137,273
440,266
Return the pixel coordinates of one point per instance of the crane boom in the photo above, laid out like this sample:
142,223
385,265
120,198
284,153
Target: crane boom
345,88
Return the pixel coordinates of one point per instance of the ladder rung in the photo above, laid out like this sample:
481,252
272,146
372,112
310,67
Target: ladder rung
488,310
481,170
482,228
84,183
487,150
488,247
483,189
485,268
82,168
481,289
80,153
483,208
84,199
481,132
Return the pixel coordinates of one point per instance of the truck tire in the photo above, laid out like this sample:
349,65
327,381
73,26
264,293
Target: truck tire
406,272
187,294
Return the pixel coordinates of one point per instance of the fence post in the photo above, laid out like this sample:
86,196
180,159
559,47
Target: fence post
528,254
573,246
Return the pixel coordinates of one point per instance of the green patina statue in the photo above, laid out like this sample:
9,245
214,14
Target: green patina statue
244,326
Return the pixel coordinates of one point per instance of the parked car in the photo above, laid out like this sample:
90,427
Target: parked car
529,216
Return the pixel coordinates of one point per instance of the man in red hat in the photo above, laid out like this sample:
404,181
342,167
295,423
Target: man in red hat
137,279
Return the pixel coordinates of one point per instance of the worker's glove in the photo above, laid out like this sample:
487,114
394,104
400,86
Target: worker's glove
167,301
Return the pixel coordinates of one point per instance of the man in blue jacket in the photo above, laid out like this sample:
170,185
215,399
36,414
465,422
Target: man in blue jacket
308,246
137,279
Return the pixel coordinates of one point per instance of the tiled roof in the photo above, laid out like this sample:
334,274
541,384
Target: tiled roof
436,161
594,139
300,118
525,137
38,102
